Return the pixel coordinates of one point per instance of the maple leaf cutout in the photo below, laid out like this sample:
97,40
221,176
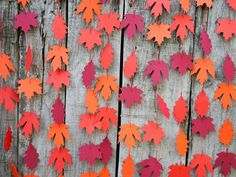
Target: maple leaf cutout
88,75
180,110
59,27
106,56
58,78
153,132
202,104
181,23
130,96
208,3
31,157
59,133
181,143
58,111
89,122
157,69
130,133
205,42
225,92
25,20
150,167
89,8
158,6
202,125
131,65
7,97
23,2
163,107
202,68
28,122
8,139
57,54
226,133
182,62
132,23
59,157
108,22
227,27
231,4
91,101
128,167
106,150
225,161
89,153
106,84
185,4
6,66
228,69
90,37
179,170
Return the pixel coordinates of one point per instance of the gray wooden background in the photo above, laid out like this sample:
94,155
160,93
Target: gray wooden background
14,44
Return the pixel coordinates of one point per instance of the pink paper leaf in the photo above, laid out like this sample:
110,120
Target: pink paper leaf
106,150
26,20
182,62
202,125
88,75
162,106
89,153
205,42
31,157
58,111
229,69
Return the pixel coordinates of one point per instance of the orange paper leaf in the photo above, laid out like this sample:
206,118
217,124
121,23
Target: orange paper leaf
104,172
202,104
181,143
158,6
106,56
91,101
128,167
14,171
131,65
180,110
185,4
5,66
226,132
208,3
23,2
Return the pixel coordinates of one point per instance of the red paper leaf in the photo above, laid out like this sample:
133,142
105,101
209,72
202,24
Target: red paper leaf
7,97
227,27
180,110
58,78
89,122
26,20
31,157
106,56
182,62
158,6
232,4
89,153
202,104
14,171
130,96
59,27
28,59
108,22
205,42
157,69
202,125
163,107
150,167
229,69
226,161
106,150
131,65
58,111
132,23
8,139
179,170
88,75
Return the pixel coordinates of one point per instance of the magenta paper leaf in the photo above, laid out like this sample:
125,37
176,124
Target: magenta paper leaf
162,106
130,95
89,153
88,75
132,23
229,69
106,150
205,42
157,69
202,125
25,20
31,157
58,111
182,62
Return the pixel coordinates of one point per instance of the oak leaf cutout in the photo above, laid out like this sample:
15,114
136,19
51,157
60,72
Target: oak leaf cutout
180,110
14,171
89,153
91,101
106,56
88,75
26,20
6,66
203,126
131,65
59,27
163,106
8,139
7,98
229,69
205,42
226,133
58,111
89,122
231,4
59,78
202,104
227,27
128,167
179,170
108,22
185,5
31,157
181,143
106,150
157,6
182,62
28,58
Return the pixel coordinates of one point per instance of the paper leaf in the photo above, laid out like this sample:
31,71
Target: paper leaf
132,23
91,101
185,5
26,20
228,69
105,85
205,41
58,111
202,125
23,2
89,122
202,67
105,115
202,163
104,172
202,104
182,23
59,157
129,133
131,66
226,161
29,87
6,66
158,32
226,27
7,97
106,56
59,78
28,59
208,3
90,174
29,122
150,167
8,139
180,110
88,75
31,157
179,170
106,150
163,106
59,134
59,27
231,4
226,133
181,143
157,6
130,96
89,8
108,22
182,62
89,153
14,171
32,175
90,37
154,132
128,167
57,54
225,92
157,69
